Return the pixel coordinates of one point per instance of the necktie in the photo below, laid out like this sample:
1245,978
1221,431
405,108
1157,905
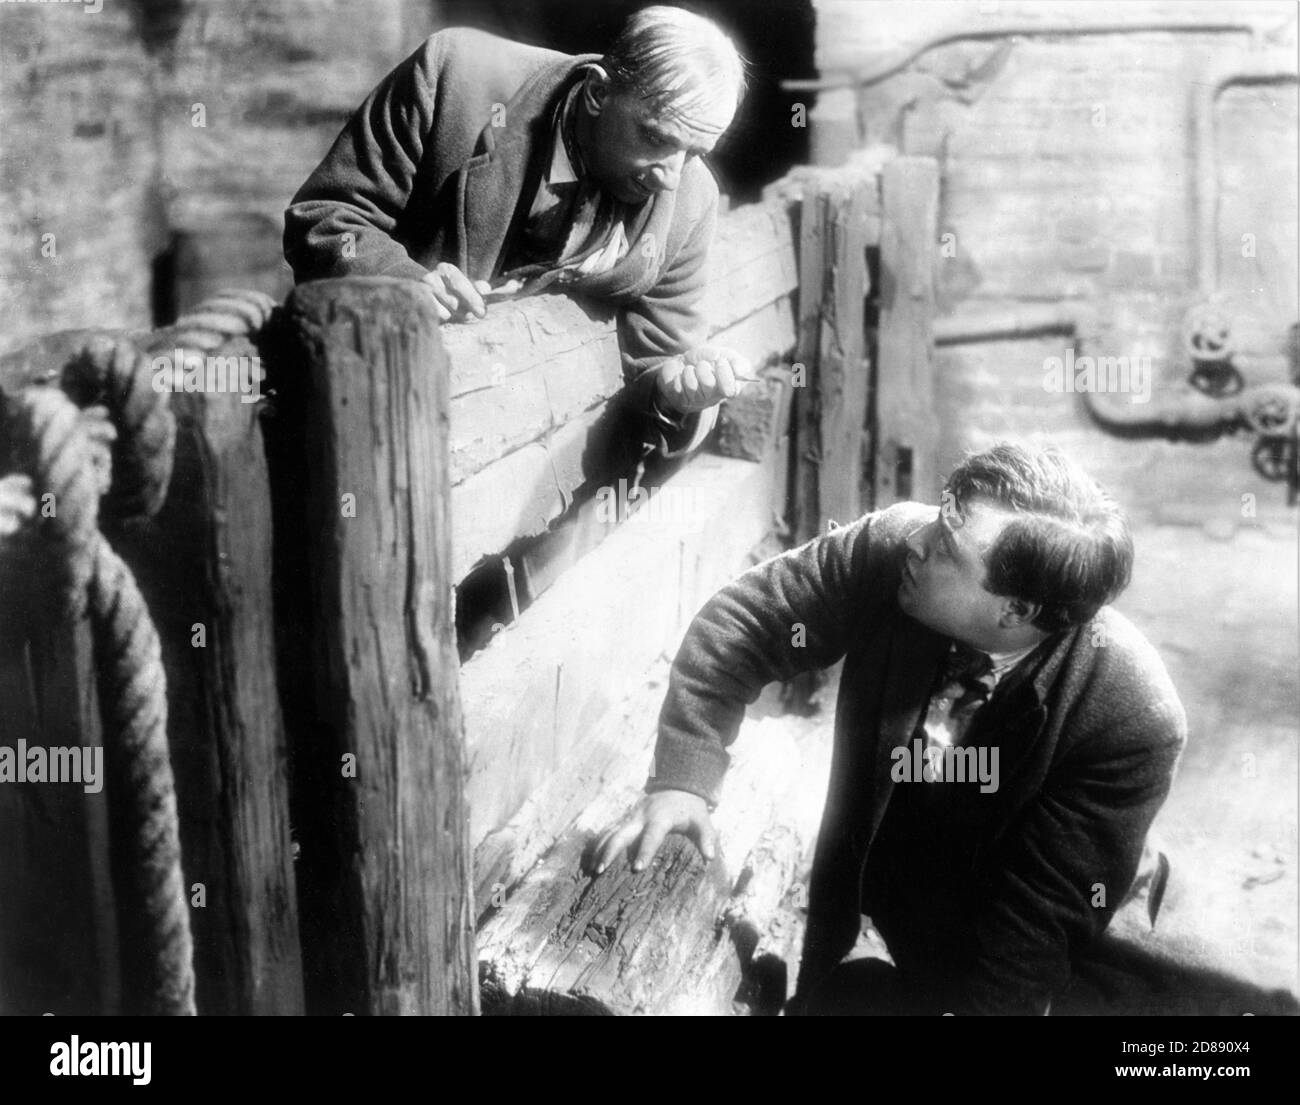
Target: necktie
966,680
964,684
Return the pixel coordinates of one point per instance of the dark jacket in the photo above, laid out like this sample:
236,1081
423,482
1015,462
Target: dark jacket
422,174
1089,730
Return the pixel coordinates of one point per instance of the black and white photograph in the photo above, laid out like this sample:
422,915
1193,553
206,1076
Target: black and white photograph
742,508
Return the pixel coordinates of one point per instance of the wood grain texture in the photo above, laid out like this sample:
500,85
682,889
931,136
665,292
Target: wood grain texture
676,938
204,567
907,435
390,860
543,688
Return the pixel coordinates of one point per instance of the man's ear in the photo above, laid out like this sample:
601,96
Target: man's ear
1018,612
595,90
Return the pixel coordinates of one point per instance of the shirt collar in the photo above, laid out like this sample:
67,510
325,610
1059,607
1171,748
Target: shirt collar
566,159
1003,662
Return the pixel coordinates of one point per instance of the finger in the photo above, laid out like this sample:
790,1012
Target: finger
670,380
482,287
617,841
462,287
690,380
726,377
653,836
705,373
444,301
706,836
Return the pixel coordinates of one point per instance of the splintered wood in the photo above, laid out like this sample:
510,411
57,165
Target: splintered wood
385,864
682,936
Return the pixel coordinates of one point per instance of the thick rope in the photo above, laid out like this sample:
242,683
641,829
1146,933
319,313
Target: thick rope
67,451
119,449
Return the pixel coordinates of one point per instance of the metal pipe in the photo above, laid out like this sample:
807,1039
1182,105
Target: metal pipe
863,77
1272,67
1019,322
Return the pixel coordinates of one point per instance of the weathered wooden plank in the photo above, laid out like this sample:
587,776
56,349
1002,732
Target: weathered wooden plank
526,370
534,367
805,511
843,372
390,862
765,337
648,942
906,430
204,568
753,262
522,493
540,688
58,929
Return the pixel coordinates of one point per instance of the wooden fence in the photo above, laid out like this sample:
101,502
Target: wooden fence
353,802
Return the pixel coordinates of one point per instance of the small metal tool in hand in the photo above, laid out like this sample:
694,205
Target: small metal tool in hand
504,291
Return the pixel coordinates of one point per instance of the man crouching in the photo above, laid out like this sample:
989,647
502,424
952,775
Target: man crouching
1003,740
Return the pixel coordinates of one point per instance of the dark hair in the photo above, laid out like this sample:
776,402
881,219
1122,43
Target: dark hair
1070,550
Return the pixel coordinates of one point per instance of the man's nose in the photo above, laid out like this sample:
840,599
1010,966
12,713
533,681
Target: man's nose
915,542
666,175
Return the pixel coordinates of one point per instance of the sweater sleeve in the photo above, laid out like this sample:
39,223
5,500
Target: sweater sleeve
341,222
664,322
790,614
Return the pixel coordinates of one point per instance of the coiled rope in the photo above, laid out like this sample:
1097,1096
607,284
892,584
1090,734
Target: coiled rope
103,437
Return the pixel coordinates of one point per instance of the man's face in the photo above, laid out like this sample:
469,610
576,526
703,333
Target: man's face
637,149
944,574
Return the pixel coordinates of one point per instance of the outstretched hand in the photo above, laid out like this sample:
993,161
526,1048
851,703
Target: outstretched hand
702,377
643,828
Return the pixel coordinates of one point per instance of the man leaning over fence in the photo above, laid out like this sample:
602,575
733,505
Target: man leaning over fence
482,167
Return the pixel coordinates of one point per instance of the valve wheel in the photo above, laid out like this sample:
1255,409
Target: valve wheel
1271,411
1207,333
1273,458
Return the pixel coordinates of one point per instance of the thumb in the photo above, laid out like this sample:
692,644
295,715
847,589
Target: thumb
706,836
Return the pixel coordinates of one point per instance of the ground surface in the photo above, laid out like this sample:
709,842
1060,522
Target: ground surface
1221,609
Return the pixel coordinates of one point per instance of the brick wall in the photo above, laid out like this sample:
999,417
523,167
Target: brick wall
1068,164
99,147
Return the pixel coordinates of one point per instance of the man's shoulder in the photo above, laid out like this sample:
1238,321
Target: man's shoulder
484,58
483,46
1127,678
891,525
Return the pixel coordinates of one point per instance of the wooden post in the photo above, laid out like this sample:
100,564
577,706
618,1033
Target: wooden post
843,374
906,427
384,868
204,567
58,930
806,416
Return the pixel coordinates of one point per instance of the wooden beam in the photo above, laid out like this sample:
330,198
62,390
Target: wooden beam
521,494
805,509
58,930
541,687
385,893
906,427
674,939
843,372
204,568
531,385
525,371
